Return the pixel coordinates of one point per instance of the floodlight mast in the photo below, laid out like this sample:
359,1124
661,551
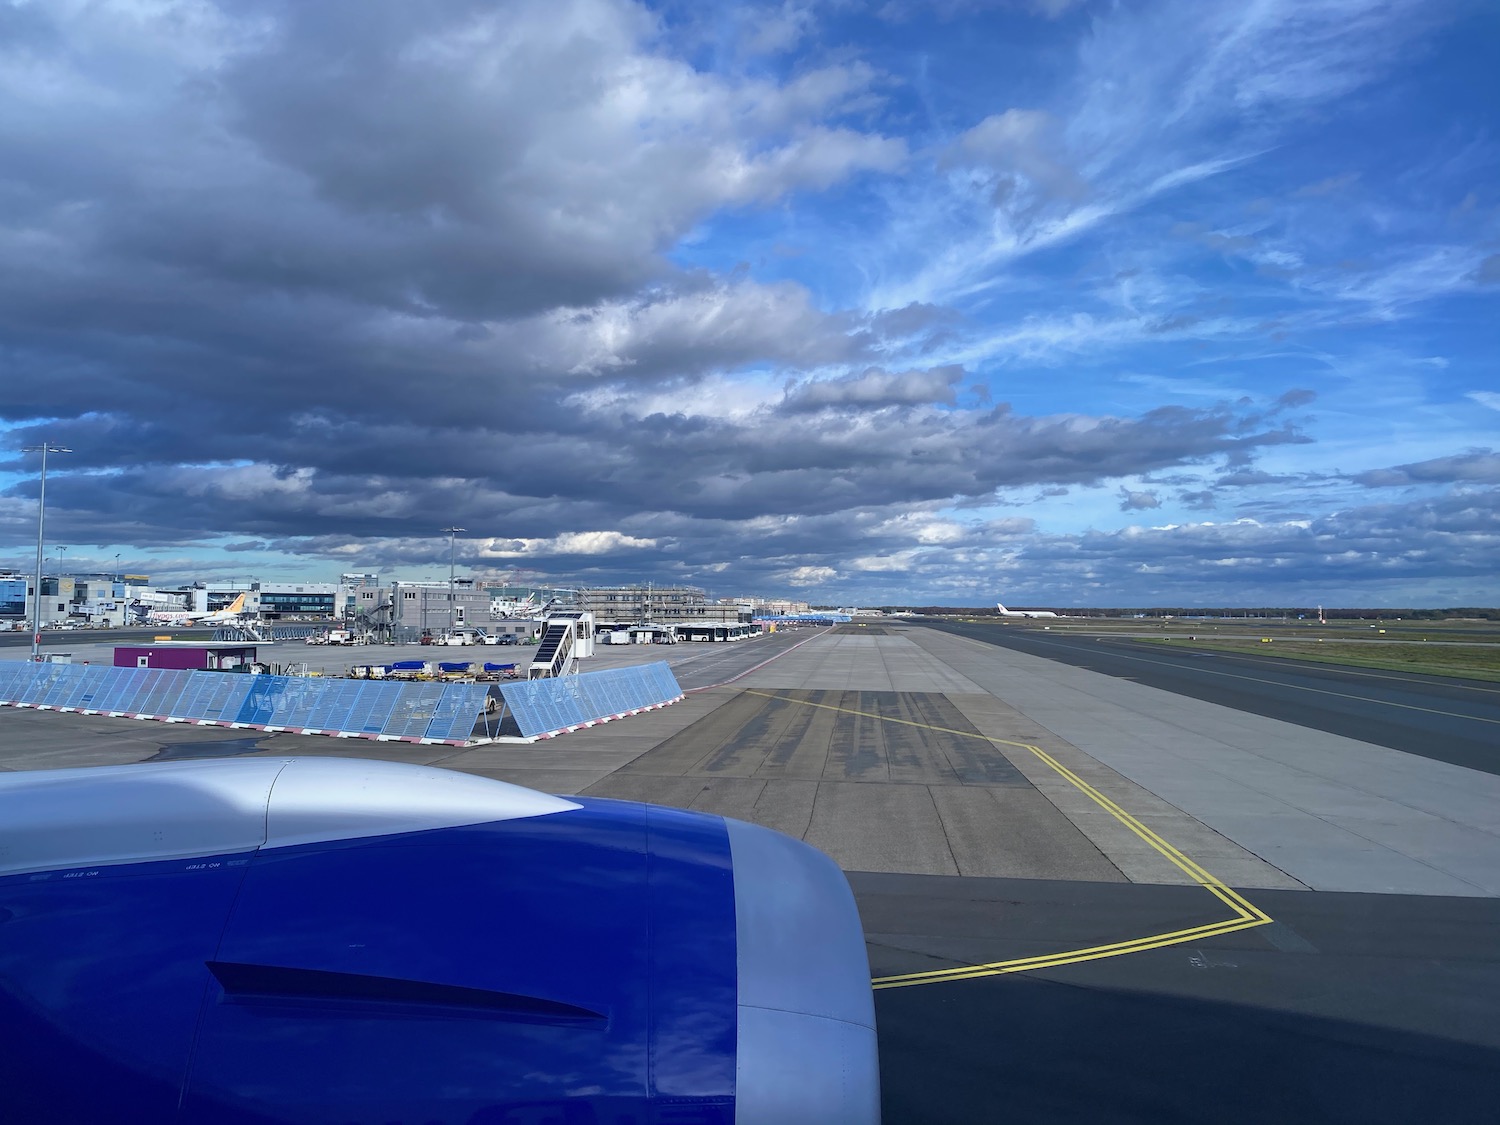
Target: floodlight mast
452,531
41,519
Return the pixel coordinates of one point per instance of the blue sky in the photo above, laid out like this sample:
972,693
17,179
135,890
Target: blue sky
1073,303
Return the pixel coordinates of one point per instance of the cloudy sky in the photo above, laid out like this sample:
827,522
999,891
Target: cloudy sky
1064,302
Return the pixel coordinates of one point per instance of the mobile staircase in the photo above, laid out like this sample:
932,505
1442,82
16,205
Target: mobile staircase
566,637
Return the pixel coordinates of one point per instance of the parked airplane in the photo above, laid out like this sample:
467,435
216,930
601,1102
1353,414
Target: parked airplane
232,612
1024,612
271,941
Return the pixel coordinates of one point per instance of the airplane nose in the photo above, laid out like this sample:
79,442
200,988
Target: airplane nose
806,1014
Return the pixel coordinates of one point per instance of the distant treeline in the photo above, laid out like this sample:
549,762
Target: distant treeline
1384,613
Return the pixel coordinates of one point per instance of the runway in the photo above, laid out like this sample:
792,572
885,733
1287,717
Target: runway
1449,720
1085,898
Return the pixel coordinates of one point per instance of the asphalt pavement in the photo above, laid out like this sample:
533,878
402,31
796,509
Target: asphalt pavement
1443,718
1347,1010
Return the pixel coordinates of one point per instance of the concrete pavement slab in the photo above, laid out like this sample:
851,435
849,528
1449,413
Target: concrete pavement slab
1139,861
786,806
880,828
843,661
1264,783
1006,831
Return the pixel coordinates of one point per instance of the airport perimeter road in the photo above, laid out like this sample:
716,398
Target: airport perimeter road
64,640
1448,720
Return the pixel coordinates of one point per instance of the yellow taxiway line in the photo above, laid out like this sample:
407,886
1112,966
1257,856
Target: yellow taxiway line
1246,915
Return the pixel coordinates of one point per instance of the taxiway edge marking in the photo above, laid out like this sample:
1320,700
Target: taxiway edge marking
1246,914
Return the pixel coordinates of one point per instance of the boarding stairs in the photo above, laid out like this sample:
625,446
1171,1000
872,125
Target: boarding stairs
555,652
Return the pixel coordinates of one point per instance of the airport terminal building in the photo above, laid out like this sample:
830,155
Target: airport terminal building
403,610
410,609
666,604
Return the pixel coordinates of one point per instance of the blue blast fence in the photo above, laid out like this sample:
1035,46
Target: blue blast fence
551,706
415,712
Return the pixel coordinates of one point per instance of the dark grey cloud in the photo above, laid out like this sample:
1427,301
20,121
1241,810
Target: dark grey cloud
1138,501
1253,478
874,388
1297,397
1479,465
914,319
346,162
1401,552
702,489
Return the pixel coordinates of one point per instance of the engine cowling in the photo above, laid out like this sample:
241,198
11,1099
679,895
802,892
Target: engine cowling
334,940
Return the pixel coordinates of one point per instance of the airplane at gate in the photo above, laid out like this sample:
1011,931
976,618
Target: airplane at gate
232,612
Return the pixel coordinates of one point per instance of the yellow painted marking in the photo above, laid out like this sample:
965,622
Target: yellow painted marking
1246,914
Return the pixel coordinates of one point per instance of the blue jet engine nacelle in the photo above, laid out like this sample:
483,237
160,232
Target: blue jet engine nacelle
332,941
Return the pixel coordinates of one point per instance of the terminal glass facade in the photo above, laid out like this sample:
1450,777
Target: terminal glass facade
13,597
282,602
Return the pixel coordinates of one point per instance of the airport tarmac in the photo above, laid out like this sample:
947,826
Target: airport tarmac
1085,899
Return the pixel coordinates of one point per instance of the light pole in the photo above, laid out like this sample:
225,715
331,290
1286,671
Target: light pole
41,517
452,531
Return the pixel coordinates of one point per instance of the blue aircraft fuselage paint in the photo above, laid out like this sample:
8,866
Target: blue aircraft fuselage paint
578,966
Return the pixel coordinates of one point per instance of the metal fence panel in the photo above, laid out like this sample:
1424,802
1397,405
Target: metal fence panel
226,694
142,685
96,678
53,690
259,706
34,681
543,706
203,696
116,689
373,709
415,707
402,710
45,682
10,678
299,699
167,689
458,710
331,710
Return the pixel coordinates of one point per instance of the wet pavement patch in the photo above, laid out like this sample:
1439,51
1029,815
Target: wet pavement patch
221,748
